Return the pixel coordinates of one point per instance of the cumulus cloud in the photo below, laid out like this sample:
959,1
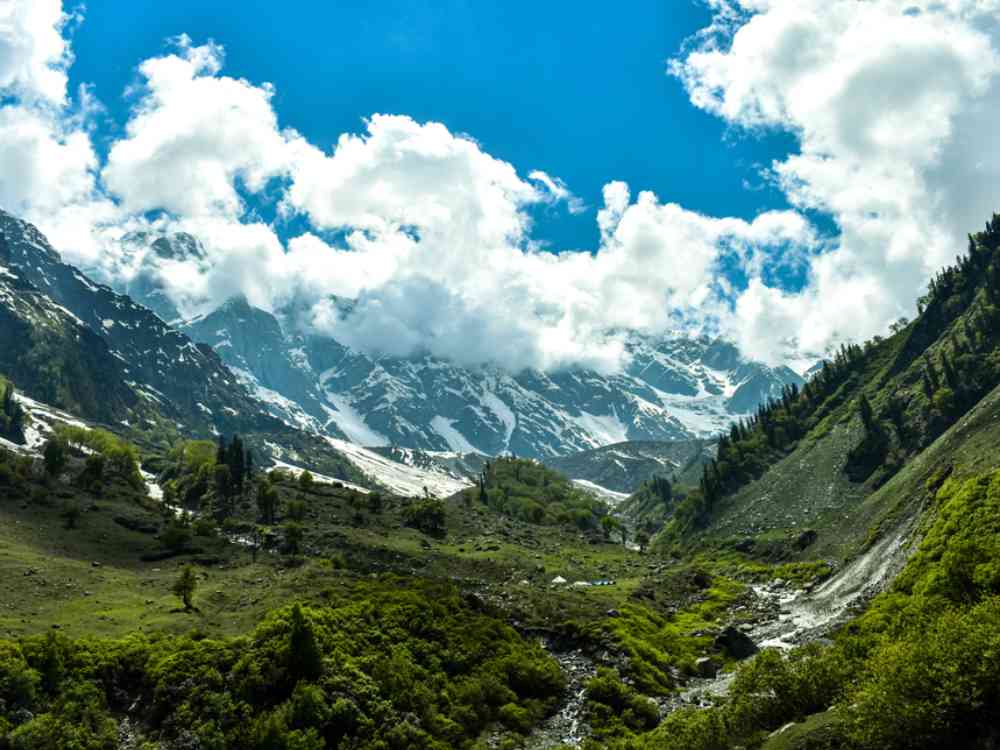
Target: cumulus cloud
195,138
34,54
431,236
891,102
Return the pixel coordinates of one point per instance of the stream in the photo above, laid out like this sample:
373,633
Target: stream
793,617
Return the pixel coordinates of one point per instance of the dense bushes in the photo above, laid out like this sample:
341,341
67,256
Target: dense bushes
120,458
427,515
391,668
616,709
532,492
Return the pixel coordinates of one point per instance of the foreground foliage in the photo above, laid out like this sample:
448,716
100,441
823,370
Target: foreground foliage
391,668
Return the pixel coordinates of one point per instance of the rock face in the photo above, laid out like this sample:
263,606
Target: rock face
675,388
113,359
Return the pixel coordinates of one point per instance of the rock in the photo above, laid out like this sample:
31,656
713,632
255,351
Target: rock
745,545
614,613
702,579
806,539
735,643
706,667
95,564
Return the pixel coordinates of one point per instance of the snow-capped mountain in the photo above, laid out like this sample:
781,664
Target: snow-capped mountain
80,347
675,388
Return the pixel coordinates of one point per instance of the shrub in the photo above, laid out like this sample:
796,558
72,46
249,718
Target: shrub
427,515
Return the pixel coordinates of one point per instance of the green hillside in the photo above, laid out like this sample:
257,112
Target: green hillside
251,607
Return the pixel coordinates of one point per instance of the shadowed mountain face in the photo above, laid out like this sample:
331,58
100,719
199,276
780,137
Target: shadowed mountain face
674,388
90,342
83,347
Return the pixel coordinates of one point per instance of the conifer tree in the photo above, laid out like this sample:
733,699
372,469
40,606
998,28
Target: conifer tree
304,656
184,587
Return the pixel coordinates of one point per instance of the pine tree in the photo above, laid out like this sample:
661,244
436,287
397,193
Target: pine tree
950,378
867,415
184,587
305,660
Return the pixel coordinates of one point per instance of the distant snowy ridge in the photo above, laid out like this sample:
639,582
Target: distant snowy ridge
674,388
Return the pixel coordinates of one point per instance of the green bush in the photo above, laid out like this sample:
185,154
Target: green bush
427,515
385,668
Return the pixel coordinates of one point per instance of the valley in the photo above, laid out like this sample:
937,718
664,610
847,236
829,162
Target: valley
190,556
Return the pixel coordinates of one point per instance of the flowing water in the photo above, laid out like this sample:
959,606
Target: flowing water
796,617
805,616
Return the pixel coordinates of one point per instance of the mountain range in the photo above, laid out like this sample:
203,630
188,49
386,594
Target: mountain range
124,357
674,388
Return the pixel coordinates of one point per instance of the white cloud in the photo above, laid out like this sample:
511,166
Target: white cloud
893,104
558,191
893,110
34,54
195,137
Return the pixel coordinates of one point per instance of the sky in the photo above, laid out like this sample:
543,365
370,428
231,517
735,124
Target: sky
516,185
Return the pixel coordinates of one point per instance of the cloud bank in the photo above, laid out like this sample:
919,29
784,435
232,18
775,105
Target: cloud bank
892,105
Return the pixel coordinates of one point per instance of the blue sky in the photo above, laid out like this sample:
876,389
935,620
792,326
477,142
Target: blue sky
579,90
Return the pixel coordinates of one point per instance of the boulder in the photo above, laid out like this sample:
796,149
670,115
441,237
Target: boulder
735,643
706,667
806,539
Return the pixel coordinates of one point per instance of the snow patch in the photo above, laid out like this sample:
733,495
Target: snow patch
297,471
611,497
456,440
604,430
492,402
398,477
351,423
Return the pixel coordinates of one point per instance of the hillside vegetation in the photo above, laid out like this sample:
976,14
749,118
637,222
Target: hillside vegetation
812,457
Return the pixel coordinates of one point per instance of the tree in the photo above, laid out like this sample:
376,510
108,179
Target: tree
267,501
11,415
176,536
375,502
306,481
71,515
608,525
294,534
297,511
236,461
867,415
642,539
305,658
426,515
54,455
184,587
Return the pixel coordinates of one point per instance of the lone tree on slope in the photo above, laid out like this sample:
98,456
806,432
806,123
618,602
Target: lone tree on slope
185,586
